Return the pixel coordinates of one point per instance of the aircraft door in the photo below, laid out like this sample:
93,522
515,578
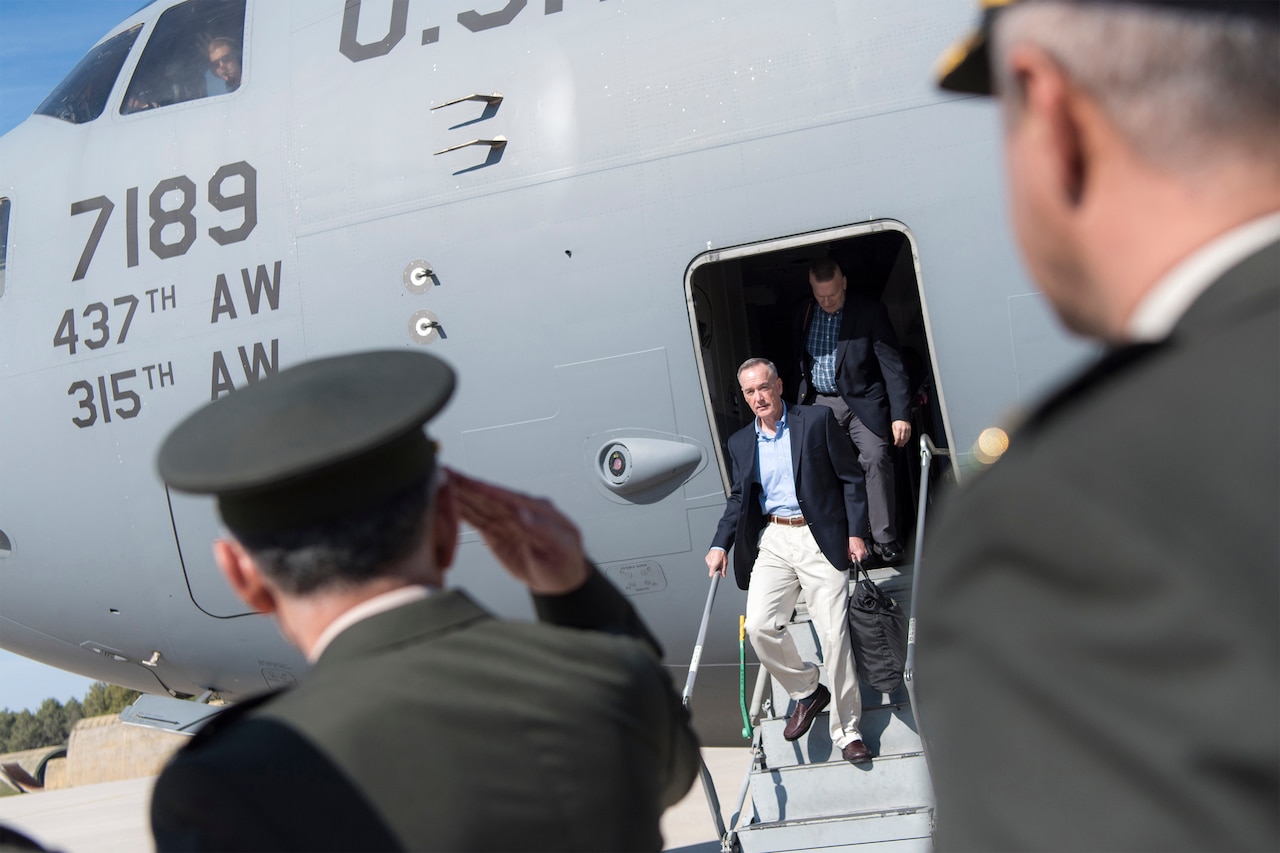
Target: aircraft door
744,303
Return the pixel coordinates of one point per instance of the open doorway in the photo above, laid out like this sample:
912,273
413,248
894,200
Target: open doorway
743,304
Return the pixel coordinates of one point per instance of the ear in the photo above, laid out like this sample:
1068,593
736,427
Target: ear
444,527
1050,108
244,576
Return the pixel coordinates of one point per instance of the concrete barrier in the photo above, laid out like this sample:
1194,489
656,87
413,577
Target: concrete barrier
27,770
55,774
103,749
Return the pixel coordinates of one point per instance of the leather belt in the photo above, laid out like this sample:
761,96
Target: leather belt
787,520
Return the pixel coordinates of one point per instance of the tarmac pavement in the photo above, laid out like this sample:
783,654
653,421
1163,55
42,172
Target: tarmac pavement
112,817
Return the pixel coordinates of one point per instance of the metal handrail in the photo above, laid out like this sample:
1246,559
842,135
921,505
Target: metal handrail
704,774
729,840
928,450
702,637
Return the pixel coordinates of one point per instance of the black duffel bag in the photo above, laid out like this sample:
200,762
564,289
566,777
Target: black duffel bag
878,631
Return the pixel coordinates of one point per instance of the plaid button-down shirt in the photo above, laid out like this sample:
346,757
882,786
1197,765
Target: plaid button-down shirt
824,334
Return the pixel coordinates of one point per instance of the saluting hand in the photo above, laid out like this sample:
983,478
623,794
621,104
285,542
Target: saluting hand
532,540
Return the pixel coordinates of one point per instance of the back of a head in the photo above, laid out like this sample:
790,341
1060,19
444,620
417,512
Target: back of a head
323,470
1189,86
345,551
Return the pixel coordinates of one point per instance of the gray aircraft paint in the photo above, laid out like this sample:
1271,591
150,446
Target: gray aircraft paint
634,145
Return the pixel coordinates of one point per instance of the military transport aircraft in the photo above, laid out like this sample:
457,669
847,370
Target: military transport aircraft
593,209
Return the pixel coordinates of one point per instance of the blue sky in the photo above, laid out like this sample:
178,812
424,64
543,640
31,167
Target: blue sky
40,41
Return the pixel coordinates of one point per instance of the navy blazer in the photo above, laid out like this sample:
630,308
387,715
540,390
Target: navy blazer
829,486
869,371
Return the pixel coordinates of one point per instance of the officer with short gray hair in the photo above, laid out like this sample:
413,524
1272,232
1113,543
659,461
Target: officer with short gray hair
1098,645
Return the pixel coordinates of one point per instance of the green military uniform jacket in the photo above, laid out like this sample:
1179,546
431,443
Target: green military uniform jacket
1099,613
435,726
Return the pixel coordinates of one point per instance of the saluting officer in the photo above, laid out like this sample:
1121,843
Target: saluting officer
424,722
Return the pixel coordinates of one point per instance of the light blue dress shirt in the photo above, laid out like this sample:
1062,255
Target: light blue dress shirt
778,496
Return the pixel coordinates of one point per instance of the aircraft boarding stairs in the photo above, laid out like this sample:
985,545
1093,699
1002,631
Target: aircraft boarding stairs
803,795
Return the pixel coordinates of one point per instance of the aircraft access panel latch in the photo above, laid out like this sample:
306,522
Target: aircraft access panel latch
419,276
424,326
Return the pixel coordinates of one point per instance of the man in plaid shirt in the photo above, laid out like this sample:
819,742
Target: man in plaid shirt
850,363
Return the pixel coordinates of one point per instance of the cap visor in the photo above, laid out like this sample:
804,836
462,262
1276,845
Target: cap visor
965,67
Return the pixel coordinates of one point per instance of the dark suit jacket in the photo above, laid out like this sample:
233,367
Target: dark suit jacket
1099,613
437,727
869,372
829,486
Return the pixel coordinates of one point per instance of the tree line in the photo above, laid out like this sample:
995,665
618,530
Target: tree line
52,724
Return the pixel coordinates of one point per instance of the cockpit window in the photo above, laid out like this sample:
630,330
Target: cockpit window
4,240
82,96
193,52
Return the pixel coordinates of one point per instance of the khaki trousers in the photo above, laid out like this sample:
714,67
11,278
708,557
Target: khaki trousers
790,561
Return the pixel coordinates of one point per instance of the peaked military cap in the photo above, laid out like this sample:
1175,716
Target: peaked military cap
966,66
313,442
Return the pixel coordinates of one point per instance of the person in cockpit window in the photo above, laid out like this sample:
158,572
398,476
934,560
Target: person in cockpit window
224,62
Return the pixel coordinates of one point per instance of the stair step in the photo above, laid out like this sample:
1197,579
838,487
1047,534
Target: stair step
807,644
886,729
804,796
887,783
900,832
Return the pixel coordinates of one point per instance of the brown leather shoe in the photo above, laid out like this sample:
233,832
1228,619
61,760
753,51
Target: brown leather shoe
855,751
806,710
